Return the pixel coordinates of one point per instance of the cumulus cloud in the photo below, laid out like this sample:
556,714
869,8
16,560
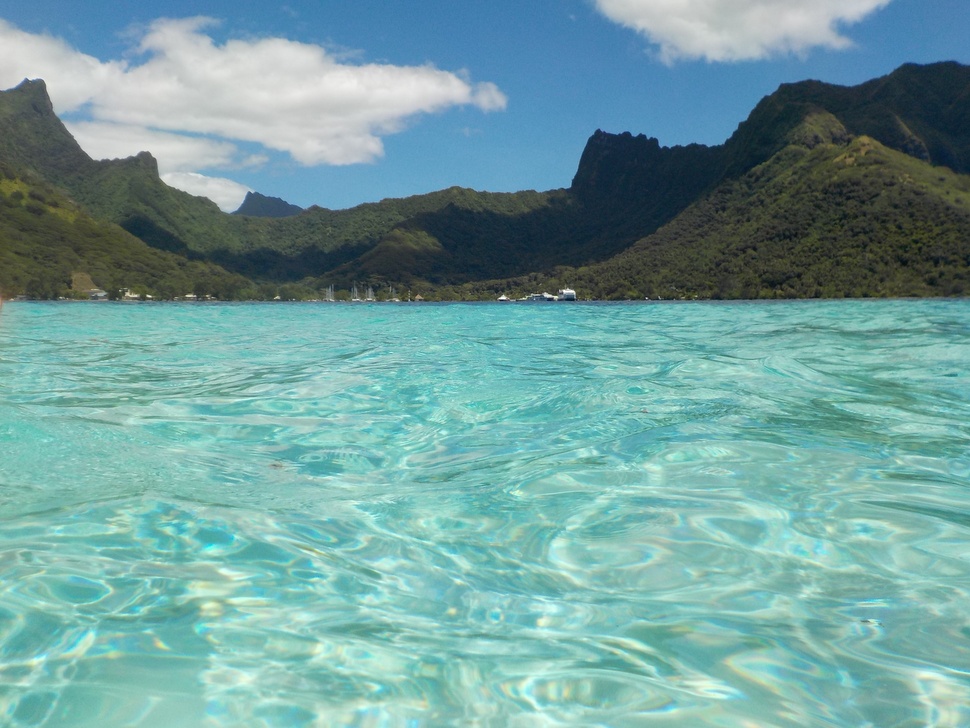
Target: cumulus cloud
77,77
226,193
735,30
176,152
191,101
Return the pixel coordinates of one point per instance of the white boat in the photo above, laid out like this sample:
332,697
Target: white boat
566,294
503,297
370,294
539,297
354,296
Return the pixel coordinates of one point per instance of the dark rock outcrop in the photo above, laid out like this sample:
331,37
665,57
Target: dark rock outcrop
257,205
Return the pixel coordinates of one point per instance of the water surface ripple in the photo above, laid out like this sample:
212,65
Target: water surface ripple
737,514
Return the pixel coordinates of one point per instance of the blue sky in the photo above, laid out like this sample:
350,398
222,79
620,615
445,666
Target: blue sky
339,103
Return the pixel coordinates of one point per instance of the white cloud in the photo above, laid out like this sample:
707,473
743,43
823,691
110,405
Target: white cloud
71,76
177,155
228,195
175,152
735,30
190,101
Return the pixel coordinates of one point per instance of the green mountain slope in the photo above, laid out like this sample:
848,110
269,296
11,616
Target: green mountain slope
831,218
626,188
315,242
48,244
127,192
923,111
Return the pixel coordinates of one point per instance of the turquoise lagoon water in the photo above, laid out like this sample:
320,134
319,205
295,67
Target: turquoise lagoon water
737,514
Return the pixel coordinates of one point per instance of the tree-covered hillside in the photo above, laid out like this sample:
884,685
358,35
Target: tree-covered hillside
840,217
710,221
50,248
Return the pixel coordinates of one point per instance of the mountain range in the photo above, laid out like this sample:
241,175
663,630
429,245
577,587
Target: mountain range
823,190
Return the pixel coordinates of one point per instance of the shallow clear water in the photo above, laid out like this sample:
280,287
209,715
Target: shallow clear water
498,515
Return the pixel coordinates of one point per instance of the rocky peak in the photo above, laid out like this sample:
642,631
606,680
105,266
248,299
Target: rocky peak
606,153
257,205
141,162
34,92
618,167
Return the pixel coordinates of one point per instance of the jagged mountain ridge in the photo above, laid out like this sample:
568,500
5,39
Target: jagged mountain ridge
258,205
829,215
626,187
921,110
50,247
127,192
